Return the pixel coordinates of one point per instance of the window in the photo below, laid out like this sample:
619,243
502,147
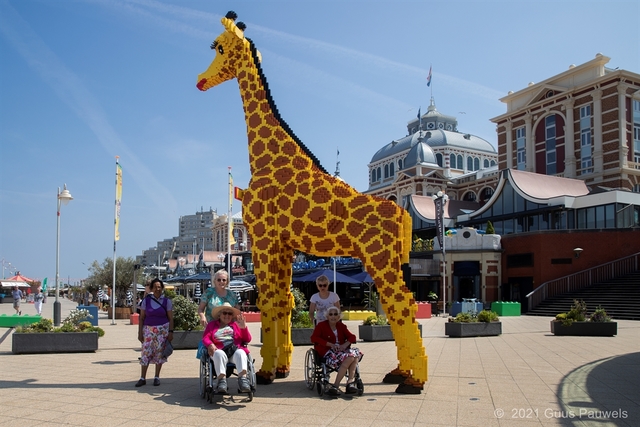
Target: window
452,161
485,163
439,159
521,148
400,164
550,144
378,174
460,164
373,175
392,172
469,197
469,163
476,164
386,171
586,146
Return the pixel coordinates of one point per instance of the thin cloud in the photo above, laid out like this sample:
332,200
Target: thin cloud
69,87
365,60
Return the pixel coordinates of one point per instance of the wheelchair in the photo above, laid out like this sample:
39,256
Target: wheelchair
208,377
317,374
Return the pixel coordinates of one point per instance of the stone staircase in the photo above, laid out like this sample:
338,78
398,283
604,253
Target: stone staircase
620,297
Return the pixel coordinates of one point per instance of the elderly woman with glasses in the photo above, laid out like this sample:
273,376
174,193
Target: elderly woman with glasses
322,300
216,295
226,337
332,340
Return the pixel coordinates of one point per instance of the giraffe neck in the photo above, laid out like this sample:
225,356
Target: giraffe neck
265,127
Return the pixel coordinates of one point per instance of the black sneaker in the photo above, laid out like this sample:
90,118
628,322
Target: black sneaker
351,389
156,381
141,382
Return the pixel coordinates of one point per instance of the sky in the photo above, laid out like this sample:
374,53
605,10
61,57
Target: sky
84,81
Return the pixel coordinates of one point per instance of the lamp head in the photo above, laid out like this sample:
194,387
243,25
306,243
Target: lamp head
65,197
577,252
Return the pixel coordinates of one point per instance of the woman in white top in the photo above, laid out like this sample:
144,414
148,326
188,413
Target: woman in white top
322,300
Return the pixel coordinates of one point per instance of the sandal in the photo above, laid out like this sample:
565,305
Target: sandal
351,388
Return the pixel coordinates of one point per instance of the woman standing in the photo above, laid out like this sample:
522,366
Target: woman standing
37,301
322,300
227,337
215,296
156,327
332,340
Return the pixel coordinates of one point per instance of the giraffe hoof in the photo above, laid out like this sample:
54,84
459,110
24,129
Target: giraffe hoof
408,389
282,374
262,380
392,378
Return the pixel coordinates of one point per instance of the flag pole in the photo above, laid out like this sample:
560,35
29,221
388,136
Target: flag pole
116,237
230,225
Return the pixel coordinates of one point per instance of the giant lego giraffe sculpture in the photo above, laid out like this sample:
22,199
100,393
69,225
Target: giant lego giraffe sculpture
293,203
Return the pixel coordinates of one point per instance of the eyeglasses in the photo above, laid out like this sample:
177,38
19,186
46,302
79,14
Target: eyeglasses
333,314
221,280
227,313
323,285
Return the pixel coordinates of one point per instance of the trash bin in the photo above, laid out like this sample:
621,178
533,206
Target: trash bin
93,310
469,305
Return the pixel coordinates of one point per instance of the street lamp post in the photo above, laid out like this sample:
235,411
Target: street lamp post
64,197
440,199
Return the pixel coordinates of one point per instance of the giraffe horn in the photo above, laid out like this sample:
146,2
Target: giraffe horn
231,15
241,26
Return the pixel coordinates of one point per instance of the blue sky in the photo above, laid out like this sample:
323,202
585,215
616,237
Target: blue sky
83,81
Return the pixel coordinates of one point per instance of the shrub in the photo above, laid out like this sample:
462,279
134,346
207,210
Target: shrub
600,315
299,307
463,318
169,293
577,313
185,314
43,325
487,316
302,320
375,320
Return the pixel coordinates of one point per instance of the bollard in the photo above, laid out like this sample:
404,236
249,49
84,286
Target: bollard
134,318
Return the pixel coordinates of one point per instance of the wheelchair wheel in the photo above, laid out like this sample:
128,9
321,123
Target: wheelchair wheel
310,369
359,386
320,388
204,377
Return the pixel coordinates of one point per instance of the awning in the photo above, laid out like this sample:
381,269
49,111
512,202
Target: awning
12,283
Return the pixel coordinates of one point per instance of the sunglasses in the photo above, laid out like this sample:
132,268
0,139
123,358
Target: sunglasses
332,314
227,313
323,286
221,280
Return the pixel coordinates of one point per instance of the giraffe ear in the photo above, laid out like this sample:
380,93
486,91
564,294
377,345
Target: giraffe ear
259,55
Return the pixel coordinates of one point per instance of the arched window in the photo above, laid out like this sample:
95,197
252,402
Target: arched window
386,171
469,163
378,174
486,163
373,175
469,197
476,164
460,164
400,164
439,159
486,194
493,162
392,172
452,161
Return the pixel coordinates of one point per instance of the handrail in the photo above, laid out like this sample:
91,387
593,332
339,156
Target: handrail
584,278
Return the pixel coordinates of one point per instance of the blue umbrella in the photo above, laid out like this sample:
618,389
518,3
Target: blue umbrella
340,278
363,276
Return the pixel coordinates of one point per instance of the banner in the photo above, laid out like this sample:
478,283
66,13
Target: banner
118,198
439,218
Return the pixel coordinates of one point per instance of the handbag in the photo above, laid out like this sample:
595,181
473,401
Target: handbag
230,350
168,349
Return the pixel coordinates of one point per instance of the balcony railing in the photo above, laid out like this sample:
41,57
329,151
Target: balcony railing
583,279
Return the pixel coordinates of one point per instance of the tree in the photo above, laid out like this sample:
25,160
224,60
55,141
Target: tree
490,229
102,275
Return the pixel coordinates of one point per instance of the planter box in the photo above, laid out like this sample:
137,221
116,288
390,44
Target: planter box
121,312
186,339
475,329
357,314
585,329
299,336
506,308
14,320
252,316
377,332
424,310
54,342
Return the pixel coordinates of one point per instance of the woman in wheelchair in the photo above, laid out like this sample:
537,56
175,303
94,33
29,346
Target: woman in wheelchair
225,338
332,341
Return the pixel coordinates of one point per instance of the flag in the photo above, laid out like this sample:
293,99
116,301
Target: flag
237,193
44,284
419,108
429,77
338,151
230,219
118,198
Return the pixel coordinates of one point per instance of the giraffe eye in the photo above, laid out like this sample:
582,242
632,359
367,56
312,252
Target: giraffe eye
220,49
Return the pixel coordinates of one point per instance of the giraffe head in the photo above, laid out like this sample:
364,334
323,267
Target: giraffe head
232,50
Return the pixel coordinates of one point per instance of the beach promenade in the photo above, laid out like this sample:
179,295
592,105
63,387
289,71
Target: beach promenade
525,377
